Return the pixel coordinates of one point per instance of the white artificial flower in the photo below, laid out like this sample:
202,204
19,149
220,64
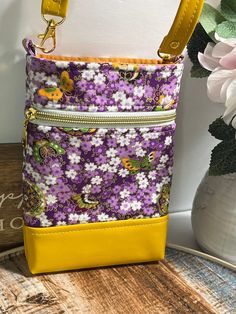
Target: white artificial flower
125,193
97,180
139,91
102,217
71,174
88,74
123,173
99,79
84,218
96,141
135,205
90,166
50,180
51,199
75,141
74,158
44,128
111,152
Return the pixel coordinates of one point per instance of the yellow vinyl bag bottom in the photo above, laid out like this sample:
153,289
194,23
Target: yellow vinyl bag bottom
91,245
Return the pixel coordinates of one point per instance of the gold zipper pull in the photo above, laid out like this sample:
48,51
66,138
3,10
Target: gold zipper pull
30,115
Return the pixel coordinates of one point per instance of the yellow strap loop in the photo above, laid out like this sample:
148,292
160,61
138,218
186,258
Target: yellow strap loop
173,44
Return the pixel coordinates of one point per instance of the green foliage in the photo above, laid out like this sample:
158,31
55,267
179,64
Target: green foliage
221,131
228,9
223,157
210,18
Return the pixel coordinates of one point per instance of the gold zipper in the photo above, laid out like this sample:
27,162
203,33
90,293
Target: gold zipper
33,114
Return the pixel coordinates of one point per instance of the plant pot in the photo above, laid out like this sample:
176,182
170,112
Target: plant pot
214,216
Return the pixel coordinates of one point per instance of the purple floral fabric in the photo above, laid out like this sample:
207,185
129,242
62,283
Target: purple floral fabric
72,175
102,175
81,86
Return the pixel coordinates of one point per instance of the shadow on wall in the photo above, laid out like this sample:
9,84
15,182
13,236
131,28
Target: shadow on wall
12,77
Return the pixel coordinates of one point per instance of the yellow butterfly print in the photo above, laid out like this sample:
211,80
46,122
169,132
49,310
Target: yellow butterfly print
51,93
165,102
134,165
84,202
66,84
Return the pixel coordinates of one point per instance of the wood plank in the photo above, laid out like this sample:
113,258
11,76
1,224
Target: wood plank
10,196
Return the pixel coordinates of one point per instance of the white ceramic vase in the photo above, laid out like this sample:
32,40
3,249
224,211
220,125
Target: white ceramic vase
214,216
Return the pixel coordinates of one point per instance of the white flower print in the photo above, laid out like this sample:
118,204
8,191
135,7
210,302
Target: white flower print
88,74
87,189
50,180
123,173
103,217
83,218
157,215
40,76
132,133
113,169
44,222
104,167
51,199
61,223
140,152
112,108
115,161
170,170
164,158
139,91
44,128
152,175
28,168
111,152
36,176
71,174
43,187
159,187
93,66
140,176
166,73
125,206
125,193
168,140
143,184
165,180
75,141
101,131
73,217
154,198
90,166
62,64
123,141
96,141
97,180
74,158
99,79
127,103
136,205
150,68
119,96
93,108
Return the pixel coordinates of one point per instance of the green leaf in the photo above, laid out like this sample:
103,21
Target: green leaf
223,158
197,43
199,72
50,89
210,18
228,8
226,29
222,131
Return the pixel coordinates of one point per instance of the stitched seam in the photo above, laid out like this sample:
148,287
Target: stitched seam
182,17
193,18
59,7
95,229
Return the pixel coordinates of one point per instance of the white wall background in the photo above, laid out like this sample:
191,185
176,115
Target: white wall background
128,28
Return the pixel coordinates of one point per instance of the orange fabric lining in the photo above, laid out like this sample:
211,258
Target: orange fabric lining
102,60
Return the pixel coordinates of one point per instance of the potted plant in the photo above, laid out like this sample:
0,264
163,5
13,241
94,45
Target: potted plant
212,51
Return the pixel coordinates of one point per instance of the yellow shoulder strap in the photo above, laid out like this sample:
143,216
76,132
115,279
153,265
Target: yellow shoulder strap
174,43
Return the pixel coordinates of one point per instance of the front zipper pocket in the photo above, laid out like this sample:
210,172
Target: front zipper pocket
94,167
